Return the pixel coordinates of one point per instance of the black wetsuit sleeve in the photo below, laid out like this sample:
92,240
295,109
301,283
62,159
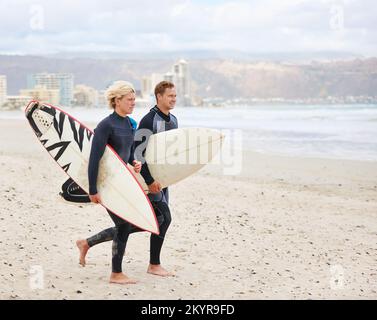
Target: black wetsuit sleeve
144,131
132,154
132,158
100,139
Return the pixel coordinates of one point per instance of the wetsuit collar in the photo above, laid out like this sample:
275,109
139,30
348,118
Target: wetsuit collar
118,115
161,114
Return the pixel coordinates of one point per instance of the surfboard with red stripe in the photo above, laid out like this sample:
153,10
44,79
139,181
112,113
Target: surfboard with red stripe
69,142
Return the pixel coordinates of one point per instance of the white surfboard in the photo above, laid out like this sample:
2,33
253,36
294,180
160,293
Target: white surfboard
176,154
69,142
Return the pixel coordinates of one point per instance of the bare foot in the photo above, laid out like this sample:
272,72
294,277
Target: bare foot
157,270
83,247
121,278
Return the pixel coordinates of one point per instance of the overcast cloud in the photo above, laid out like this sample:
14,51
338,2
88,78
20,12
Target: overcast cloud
49,26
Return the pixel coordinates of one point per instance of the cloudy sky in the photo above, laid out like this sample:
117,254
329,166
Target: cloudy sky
50,26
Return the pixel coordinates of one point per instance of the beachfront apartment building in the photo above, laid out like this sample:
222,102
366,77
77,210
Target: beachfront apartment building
85,96
179,75
54,81
15,102
41,93
181,79
146,87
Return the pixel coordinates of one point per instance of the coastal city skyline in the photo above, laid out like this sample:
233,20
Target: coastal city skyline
60,89
206,82
237,52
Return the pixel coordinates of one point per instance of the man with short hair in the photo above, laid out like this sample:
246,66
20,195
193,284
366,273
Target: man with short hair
117,131
158,119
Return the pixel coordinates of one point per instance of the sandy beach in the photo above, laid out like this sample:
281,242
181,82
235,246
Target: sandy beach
285,228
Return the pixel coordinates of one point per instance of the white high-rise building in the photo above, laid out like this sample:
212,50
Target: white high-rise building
146,87
155,79
149,83
61,81
181,79
169,76
3,89
180,76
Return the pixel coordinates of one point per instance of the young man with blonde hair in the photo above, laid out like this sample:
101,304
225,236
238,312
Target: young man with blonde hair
118,131
157,120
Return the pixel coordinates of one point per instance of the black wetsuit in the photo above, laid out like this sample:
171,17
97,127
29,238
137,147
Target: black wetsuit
153,122
118,132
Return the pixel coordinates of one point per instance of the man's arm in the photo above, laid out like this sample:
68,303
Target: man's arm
142,136
100,138
132,154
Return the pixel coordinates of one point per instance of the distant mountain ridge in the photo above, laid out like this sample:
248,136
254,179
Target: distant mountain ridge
213,77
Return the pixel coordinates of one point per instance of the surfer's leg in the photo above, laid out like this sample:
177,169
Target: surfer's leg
119,242
105,235
102,236
166,194
122,232
156,241
85,244
119,246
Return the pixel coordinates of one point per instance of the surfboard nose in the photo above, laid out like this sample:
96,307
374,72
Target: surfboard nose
39,119
45,120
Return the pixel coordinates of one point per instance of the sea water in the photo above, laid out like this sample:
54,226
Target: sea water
323,131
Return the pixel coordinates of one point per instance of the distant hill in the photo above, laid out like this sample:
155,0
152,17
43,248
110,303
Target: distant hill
289,81
212,77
